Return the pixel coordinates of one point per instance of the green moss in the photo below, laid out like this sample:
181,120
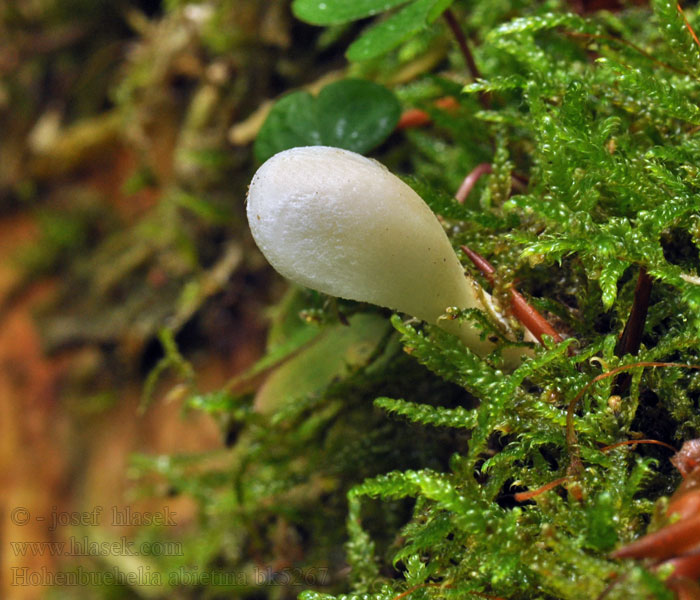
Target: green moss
383,460
605,136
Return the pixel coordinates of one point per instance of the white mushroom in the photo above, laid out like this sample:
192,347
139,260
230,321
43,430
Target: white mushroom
337,222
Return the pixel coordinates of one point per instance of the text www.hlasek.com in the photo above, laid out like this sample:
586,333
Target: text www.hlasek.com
87,547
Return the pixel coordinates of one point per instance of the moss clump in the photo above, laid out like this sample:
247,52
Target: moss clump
593,140
381,456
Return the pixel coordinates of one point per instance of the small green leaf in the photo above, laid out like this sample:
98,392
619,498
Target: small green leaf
438,8
218,401
390,33
356,114
333,12
678,36
289,124
458,417
353,114
497,84
338,350
611,272
601,533
539,22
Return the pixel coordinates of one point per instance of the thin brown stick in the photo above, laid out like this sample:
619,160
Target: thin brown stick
462,43
526,314
687,25
598,36
634,442
480,263
466,53
410,590
575,466
533,319
523,496
470,180
631,338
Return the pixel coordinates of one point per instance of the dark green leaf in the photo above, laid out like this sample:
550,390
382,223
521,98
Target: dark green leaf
356,114
290,123
387,35
332,12
353,114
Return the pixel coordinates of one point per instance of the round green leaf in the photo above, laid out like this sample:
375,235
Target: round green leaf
356,115
291,123
353,114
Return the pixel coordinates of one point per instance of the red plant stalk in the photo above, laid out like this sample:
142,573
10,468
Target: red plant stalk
470,180
529,316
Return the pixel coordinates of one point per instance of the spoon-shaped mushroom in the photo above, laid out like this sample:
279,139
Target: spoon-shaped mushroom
340,223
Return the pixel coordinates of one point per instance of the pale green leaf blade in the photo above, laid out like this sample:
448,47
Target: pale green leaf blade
438,8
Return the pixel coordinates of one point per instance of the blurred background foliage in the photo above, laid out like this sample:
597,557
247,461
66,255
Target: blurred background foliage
128,137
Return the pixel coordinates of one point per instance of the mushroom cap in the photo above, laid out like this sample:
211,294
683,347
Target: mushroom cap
340,223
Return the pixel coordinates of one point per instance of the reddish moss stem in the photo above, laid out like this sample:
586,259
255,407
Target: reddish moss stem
470,180
687,25
575,466
523,311
466,52
631,338
634,442
462,43
522,496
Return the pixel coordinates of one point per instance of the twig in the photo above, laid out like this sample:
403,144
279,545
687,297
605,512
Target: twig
576,466
523,496
462,43
466,52
609,38
687,25
635,442
529,316
470,180
631,338
519,182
